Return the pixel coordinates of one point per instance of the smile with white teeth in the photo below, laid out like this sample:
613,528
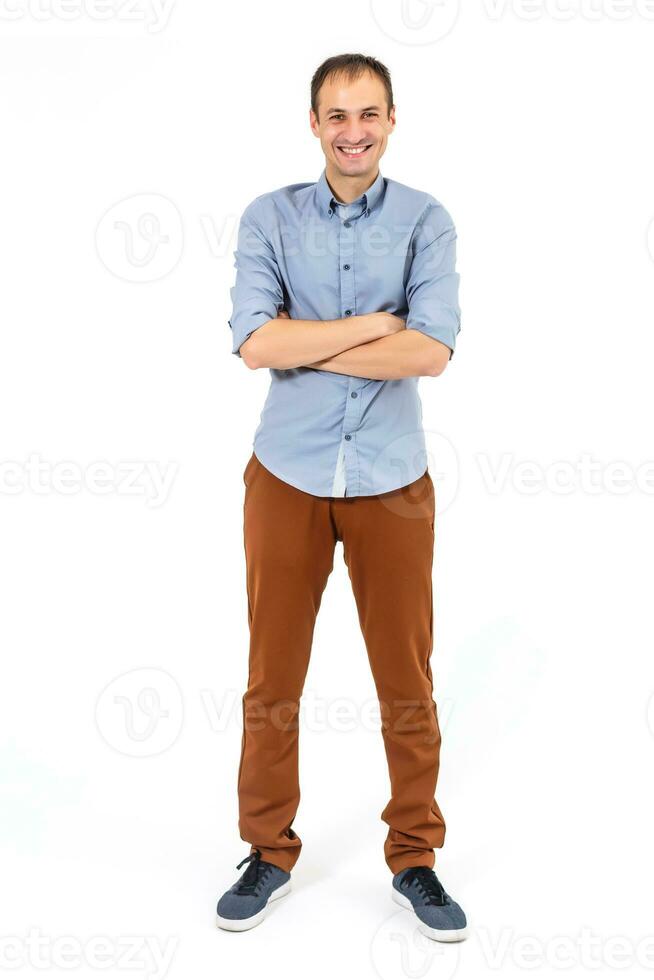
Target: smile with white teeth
354,151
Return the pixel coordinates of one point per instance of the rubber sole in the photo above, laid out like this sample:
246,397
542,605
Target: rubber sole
242,925
439,935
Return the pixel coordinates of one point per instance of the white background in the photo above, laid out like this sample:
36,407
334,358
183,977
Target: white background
532,123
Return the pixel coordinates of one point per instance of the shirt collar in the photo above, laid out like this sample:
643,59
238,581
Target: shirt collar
325,197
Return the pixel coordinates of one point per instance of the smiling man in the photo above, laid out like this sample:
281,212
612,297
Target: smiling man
346,290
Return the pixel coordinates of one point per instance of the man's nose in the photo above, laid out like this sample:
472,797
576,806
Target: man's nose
355,134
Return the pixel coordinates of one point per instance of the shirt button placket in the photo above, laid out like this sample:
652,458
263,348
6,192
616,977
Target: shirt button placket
346,270
351,421
349,308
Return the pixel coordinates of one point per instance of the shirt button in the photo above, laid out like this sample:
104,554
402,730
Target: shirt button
346,224
348,313
353,394
348,437
346,266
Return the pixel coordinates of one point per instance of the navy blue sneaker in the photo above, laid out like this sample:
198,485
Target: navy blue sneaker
439,916
244,904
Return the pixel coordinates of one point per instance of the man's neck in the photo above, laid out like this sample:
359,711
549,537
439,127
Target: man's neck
348,189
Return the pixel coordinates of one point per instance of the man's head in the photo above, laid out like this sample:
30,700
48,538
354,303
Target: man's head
352,107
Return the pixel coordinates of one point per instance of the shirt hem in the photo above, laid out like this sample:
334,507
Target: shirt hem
350,496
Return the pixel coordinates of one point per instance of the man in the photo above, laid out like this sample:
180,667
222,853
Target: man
346,290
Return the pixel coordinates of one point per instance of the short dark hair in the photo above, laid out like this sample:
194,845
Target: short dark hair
352,66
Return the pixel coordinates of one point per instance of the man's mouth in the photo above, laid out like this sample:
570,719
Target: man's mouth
354,151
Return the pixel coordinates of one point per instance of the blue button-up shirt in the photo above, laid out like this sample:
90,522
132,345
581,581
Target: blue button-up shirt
391,250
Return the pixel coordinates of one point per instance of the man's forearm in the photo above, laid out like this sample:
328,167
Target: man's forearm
406,354
285,343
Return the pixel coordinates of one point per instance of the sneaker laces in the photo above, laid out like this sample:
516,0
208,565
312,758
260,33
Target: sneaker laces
254,875
428,884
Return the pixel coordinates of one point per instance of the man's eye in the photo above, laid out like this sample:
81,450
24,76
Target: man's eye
340,116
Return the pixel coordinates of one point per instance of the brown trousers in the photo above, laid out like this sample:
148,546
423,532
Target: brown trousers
388,544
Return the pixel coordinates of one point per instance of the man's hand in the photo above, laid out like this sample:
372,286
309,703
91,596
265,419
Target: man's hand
388,323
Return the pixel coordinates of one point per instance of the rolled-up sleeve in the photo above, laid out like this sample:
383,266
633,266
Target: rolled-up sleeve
432,289
257,294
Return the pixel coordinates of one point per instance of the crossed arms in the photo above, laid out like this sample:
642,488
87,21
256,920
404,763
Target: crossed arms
372,345
378,345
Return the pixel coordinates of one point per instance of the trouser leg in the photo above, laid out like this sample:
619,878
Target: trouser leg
388,544
289,550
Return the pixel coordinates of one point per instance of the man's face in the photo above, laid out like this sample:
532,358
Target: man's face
353,115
